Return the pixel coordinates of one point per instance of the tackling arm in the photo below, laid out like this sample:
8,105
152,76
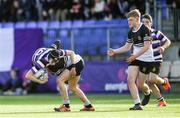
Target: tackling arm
71,54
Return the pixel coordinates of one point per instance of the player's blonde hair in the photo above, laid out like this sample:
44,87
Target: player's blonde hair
134,13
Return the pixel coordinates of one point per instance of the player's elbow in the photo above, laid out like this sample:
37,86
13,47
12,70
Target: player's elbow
168,42
28,75
71,52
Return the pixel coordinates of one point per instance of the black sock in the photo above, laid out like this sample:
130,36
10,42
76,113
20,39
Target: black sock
137,104
88,106
164,82
66,105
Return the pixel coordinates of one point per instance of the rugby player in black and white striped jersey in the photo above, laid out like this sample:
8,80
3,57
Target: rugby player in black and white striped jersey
141,58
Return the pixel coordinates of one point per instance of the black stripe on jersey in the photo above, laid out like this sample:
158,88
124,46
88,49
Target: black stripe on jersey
37,67
154,31
156,53
163,42
155,45
139,45
154,37
129,41
159,59
160,37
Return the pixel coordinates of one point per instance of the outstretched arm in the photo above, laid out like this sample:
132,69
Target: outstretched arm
122,49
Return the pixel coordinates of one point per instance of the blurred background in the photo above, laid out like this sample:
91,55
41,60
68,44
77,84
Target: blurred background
89,27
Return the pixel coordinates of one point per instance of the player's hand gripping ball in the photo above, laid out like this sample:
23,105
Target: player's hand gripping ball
40,74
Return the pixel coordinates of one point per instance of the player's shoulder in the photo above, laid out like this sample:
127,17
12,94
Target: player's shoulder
130,31
154,31
157,32
40,53
43,49
62,52
143,27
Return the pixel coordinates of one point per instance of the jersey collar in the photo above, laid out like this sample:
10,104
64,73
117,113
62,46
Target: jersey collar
133,30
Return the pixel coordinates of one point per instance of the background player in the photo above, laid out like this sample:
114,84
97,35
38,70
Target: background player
160,43
139,61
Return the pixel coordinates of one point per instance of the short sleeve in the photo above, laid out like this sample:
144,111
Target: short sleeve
160,36
129,40
146,34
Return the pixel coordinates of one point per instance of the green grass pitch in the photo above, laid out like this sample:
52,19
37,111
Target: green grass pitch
107,106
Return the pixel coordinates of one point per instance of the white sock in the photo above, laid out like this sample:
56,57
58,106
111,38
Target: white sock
87,102
136,101
147,93
66,101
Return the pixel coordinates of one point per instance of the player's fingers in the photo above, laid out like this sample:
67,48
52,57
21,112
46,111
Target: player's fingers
110,49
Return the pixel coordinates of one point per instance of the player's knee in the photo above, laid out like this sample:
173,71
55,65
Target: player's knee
60,82
130,80
140,84
73,89
151,81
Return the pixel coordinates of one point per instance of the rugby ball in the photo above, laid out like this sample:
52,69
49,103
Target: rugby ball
40,74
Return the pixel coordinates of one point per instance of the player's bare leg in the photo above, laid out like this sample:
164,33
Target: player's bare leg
156,92
142,83
144,87
79,93
132,76
155,79
63,91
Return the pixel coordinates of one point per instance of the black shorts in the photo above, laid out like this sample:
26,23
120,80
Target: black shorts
156,67
79,67
144,67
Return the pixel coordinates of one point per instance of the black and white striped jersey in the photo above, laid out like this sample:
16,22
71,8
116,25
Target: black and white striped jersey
137,38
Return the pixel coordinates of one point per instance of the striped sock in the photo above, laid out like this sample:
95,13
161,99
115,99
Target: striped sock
160,99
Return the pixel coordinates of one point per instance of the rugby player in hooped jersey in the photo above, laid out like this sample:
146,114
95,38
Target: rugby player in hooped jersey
67,66
159,43
140,60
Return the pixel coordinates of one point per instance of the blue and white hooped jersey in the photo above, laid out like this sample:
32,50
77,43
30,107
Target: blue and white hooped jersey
40,59
158,40
40,53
